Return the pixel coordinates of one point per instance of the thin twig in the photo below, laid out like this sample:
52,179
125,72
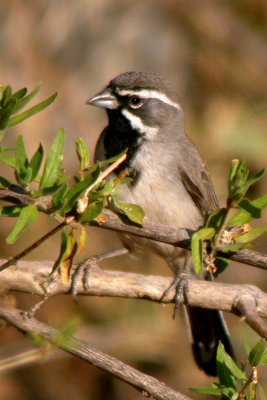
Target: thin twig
37,243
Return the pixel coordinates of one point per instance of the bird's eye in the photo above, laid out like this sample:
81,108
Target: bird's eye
135,102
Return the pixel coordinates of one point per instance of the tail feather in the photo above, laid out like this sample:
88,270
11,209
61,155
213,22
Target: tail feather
208,328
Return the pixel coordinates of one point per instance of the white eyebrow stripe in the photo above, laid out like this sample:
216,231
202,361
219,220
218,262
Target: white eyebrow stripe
149,94
150,132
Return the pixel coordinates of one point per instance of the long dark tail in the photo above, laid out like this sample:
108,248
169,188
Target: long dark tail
208,328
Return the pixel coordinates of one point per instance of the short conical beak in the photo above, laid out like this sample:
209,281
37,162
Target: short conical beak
104,99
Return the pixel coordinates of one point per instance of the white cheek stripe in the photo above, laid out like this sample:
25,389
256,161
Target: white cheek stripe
149,94
136,123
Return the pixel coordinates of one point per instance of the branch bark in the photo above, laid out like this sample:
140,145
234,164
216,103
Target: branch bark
146,384
32,277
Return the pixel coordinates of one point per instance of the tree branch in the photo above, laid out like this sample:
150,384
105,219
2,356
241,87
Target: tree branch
146,384
180,237
32,277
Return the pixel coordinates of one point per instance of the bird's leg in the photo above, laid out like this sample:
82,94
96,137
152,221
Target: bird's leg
180,284
83,269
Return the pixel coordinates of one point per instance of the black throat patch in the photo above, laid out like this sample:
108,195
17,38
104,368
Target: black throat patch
120,136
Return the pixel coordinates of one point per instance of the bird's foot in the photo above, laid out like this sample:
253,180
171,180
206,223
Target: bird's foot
180,284
83,269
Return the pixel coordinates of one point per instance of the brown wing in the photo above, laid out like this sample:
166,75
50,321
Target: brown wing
196,179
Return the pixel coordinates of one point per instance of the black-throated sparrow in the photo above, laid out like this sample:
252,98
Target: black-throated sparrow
170,180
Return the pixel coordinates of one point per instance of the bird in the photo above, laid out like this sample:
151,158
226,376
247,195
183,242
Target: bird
170,181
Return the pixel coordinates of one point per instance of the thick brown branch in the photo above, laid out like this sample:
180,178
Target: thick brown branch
142,382
31,277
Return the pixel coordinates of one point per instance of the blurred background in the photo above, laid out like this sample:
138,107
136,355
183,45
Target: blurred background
215,55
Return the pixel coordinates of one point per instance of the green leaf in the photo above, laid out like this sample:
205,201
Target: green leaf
197,247
239,181
257,352
6,158
25,100
216,218
104,190
68,250
58,196
6,96
211,390
231,248
242,217
77,190
248,206
27,216
111,160
23,173
253,234
82,153
54,161
227,370
21,156
4,183
31,111
19,94
36,162
133,212
10,211
221,264
92,211
5,113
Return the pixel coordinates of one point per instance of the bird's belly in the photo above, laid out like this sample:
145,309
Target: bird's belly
164,202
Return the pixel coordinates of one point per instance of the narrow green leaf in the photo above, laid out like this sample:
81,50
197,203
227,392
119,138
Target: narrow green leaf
248,206
63,249
77,190
228,371
25,100
242,217
54,161
231,248
19,94
134,212
59,194
5,113
6,96
82,153
10,211
92,211
31,111
8,159
111,160
105,190
253,179
257,352
197,247
4,183
215,219
213,391
23,173
221,264
27,216
36,162
67,252
21,156
251,235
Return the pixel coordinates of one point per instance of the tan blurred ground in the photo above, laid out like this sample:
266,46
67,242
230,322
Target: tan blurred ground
215,54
